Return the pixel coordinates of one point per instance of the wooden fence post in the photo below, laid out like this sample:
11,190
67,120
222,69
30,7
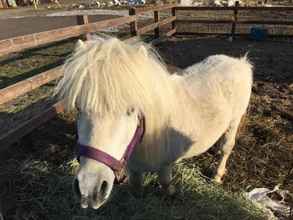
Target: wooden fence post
81,20
235,18
156,19
173,12
133,25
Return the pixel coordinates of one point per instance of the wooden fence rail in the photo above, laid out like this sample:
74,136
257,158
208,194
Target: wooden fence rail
235,19
193,8
27,85
140,10
20,43
269,22
155,26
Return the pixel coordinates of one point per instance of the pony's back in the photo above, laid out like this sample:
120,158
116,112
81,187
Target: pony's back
221,76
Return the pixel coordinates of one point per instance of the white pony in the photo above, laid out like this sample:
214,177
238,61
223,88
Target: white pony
111,83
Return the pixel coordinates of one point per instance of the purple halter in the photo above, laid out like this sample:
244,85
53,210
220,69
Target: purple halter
116,165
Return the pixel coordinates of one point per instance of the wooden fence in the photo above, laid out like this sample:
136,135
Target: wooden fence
136,31
20,43
235,18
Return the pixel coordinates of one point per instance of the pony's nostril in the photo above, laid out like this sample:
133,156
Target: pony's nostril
100,193
76,188
104,188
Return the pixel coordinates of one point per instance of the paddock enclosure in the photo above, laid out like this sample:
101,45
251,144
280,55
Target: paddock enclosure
37,139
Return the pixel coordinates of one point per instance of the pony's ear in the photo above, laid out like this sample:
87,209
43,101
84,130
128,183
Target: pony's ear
79,44
143,50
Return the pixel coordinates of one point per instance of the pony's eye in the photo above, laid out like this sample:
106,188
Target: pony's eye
130,111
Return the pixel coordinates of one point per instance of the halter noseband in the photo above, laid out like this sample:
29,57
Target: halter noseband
116,165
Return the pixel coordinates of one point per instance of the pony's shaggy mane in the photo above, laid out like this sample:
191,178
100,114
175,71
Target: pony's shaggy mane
185,115
107,76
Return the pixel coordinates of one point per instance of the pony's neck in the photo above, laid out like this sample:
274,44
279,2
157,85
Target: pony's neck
173,140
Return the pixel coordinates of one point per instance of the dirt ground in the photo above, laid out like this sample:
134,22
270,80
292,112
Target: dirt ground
262,157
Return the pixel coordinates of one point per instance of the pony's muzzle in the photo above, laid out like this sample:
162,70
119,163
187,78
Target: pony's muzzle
96,200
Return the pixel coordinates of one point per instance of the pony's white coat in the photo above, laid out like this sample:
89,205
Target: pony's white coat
185,115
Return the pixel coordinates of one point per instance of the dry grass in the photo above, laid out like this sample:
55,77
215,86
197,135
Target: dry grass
39,187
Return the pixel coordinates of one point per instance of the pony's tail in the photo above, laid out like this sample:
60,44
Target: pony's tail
246,60
248,65
245,57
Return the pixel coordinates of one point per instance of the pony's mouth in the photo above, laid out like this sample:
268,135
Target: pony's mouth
98,204
88,201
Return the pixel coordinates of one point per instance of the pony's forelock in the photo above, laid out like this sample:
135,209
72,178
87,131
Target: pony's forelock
107,76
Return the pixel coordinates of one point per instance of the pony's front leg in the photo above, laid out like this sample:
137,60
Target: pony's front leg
165,178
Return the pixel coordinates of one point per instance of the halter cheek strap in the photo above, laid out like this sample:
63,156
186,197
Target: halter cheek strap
116,165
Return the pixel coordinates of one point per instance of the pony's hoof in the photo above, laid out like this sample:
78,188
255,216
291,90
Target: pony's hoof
218,179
